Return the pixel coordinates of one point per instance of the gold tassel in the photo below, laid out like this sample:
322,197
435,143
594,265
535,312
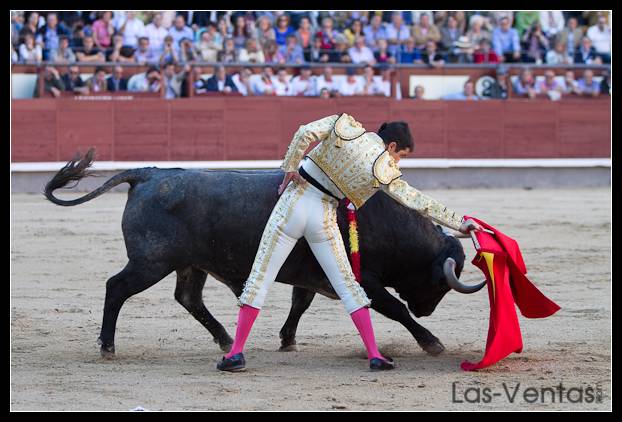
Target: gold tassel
376,184
339,142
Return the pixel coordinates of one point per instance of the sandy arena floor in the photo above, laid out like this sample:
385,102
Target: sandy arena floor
62,257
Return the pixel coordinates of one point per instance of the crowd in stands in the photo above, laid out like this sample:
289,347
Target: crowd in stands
173,44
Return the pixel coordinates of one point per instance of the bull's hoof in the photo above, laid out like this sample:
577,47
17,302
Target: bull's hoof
106,350
433,348
289,348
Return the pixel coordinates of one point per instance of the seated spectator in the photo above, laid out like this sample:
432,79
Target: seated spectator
97,82
156,33
326,80
524,20
373,86
570,84
354,31
419,93
506,42
29,52
468,93
149,81
559,55
242,81
340,53
605,83
52,83
431,57
228,54
424,31
485,53
103,30
187,52
282,86
571,36
499,89
200,84
587,86
221,82
208,48
264,32
283,30
600,35
324,93
360,53
552,22
449,35
586,54
292,53
131,28
116,82
179,31
77,39
477,33
525,84
352,85
397,33
374,31
535,43
64,53
304,84
14,56
383,55
272,54
73,81
317,53
48,35
550,86
252,53
327,34
265,85
119,52
144,54
89,52
304,35
409,53
241,32
462,50
173,80
169,52
31,26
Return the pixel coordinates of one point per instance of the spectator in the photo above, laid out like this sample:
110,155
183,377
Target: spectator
485,53
605,83
208,48
419,93
179,31
89,52
327,34
265,85
222,31
221,82
264,32
377,86
571,36
304,84
132,29
352,85
29,52
600,35
535,43
272,54
200,84
425,31
587,86
30,27
550,86
48,35
559,55
410,53
324,93
317,53
240,32
116,82
477,33
340,54
525,84
570,84
282,87
525,20
586,54
449,35
499,88
252,53
242,82
144,54
156,33
73,82
360,53
14,56
552,22
103,30
187,52
431,57
172,80
283,30
77,39
120,53
375,31
383,55
64,53
52,83
397,33
468,93
355,30
326,80
169,53
505,41
304,36
97,82
462,50
149,81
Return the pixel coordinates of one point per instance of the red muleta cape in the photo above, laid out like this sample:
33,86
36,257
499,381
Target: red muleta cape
501,261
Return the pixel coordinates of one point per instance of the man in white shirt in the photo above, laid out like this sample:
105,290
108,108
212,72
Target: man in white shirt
552,22
282,85
360,53
132,29
156,32
304,84
397,33
326,80
600,35
352,85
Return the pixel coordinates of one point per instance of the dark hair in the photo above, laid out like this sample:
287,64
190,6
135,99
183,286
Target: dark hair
99,69
398,132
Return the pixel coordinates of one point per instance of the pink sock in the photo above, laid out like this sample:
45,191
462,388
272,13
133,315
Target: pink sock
246,318
362,320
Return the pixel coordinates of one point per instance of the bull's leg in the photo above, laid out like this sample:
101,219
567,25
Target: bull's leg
388,305
301,299
188,293
133,279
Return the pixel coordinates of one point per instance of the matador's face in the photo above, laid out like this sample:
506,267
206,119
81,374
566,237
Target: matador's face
397,155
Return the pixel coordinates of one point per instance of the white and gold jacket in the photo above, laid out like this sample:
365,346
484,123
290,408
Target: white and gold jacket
359,165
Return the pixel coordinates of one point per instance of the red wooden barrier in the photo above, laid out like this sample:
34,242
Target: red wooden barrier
231,128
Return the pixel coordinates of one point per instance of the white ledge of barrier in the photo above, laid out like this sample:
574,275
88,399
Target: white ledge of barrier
406,163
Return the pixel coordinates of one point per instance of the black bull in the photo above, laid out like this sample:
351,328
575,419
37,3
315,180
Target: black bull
210,222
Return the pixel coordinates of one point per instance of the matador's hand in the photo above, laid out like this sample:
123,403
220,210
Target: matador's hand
292,175
469,225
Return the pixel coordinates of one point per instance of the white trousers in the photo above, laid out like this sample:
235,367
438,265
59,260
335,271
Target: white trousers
303,210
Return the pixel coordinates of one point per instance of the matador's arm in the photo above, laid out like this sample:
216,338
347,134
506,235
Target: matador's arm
318,130
413,198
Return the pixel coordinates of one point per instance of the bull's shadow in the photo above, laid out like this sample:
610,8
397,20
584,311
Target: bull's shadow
210,222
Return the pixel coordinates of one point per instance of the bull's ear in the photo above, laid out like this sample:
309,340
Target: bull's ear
440,229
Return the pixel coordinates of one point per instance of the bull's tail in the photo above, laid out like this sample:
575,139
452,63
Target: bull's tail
76,169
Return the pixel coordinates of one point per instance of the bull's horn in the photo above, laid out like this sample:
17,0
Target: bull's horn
449,268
